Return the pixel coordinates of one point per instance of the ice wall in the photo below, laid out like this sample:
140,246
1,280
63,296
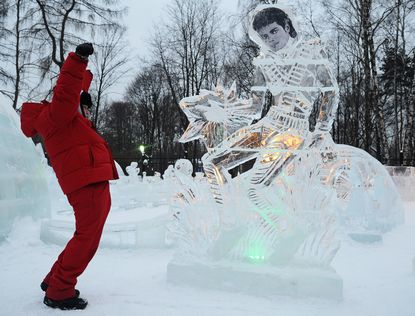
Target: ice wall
23,184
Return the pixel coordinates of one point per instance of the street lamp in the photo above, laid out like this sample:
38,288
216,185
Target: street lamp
144,161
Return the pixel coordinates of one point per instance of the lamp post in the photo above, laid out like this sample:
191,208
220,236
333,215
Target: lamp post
142,150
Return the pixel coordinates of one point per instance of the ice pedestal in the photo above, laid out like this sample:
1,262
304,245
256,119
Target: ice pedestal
291,281
135,228
23,185
234,249
137,219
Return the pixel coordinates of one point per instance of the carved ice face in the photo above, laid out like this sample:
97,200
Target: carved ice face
275,36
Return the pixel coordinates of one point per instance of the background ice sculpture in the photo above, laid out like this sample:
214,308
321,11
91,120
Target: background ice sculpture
23,184
284,210
138,217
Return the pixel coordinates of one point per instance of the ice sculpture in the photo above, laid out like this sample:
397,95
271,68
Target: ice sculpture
23,184
284,211
138,217
214,115
132,170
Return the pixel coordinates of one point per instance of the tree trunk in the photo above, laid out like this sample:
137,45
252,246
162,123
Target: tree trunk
395,84
17,56
409,142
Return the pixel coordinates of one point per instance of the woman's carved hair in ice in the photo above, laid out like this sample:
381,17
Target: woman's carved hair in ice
270,15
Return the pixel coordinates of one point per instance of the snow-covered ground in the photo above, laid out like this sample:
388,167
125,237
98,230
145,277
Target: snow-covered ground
379,279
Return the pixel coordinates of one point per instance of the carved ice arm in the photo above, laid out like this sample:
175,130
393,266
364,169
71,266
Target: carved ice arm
258,93
329,96
328,108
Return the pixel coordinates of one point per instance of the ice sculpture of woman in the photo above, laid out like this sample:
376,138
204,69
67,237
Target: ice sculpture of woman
301,185
297,74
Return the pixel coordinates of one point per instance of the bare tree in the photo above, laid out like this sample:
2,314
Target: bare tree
4,49
239,67
145,92
185,44
15,51
157,115
118,126
185,47
359,22
409,141
58,24
109,60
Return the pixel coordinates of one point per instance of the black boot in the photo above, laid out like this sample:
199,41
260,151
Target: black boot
44,286
66,304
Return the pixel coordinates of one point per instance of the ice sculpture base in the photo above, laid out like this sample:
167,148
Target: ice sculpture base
262,281
119,231
366,238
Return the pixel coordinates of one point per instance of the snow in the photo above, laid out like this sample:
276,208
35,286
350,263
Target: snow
379,279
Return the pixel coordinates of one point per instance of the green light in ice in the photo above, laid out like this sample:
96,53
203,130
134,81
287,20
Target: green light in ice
255,252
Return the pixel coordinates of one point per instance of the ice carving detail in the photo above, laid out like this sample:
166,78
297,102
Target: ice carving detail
301,186
215,114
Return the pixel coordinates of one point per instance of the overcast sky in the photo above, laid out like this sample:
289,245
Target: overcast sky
140,20
143,14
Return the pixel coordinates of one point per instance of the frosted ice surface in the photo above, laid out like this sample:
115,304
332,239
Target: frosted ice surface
23,184
183,166
213,115
132,169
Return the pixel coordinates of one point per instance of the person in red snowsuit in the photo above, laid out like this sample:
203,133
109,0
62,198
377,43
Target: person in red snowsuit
83,165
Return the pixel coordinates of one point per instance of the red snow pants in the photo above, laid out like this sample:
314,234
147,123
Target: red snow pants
91,206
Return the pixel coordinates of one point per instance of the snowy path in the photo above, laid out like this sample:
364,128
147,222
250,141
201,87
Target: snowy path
378,280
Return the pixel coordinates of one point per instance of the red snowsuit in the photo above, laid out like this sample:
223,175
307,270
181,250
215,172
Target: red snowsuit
83,165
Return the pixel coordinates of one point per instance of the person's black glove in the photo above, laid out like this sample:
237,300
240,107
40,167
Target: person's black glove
84,50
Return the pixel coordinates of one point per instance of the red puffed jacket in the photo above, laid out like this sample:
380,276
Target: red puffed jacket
76,152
